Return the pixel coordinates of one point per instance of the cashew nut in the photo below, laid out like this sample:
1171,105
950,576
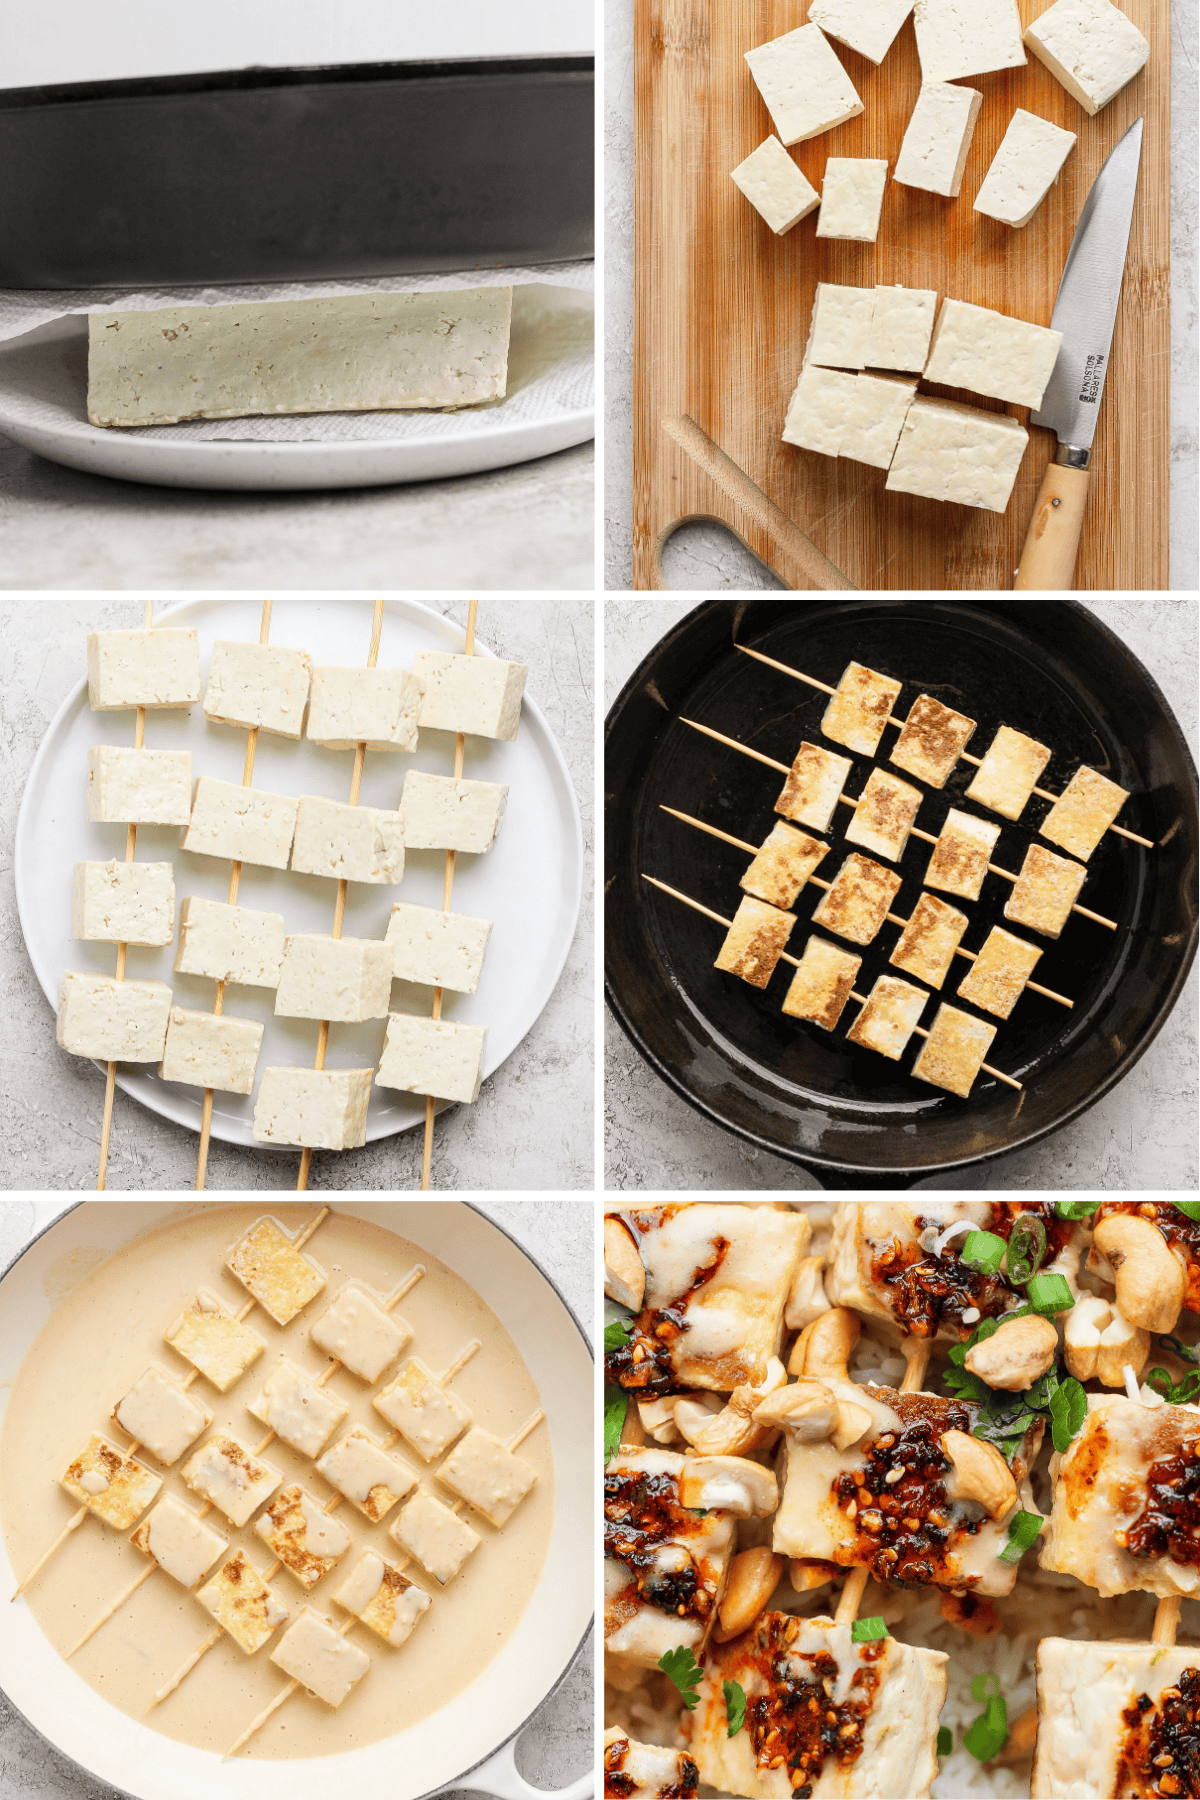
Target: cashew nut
853,1423
1016,1353
1098,1342
753,1577
971,1612
806,1574
730,1483
733,1430
806,1410
692,1412
807,1300
1021,1739
980,1473
823,1348
658,1419
1150,1279
624,1274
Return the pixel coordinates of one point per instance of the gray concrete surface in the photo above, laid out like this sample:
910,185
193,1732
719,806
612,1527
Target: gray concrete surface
704,556
1142,1135
532,1126
556,1747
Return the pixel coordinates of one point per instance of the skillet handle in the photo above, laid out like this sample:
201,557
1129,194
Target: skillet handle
500,1777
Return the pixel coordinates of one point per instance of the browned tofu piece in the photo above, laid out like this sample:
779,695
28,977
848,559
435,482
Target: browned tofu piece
856,715
933,739
961,855
997,977
113,1485
857,903
755,941
952,1055
1045,891
929,940
784,863
811,791
1083,812
1008,773
886,1021
884,815
821,985
269,1266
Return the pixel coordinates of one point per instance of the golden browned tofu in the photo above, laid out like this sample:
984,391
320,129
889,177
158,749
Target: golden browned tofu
886,1021
961,855
996,979
929,940
1045,891
933,739
116,1487
302,1535
755,941
213,1341
385,1600
241,1602
884,815
1008,773
813,787
857,903
952,1055
784,863
859,709
269,1266
1083,812
821,985
486,1474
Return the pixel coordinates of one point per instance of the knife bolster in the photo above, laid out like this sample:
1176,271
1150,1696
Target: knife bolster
1070,456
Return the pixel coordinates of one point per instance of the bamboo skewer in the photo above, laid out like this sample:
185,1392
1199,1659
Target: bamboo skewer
1166,1620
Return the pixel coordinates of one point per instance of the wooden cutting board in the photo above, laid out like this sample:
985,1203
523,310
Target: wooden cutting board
723,305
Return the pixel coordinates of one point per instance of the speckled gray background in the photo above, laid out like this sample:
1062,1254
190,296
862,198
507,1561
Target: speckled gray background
532,1126
1142,1135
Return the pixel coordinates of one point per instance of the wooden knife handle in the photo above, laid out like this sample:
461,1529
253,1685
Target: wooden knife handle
1052,543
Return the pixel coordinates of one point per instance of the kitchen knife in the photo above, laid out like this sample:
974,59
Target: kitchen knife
1085,312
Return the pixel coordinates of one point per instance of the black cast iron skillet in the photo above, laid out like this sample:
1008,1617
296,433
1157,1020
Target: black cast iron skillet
1048,668
297,174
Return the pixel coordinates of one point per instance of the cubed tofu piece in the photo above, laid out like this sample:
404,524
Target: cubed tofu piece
211,1052
372,1480
305,1538
487,1475
839,334
438,1538
884,815
229,943
116,1021
813,787
321,1109
438,949
755,941
821,402
960,857
375,707
314,1653
240,824
282,1279
774,186
952,1055
1083,813
427,1415
901,327
991,353
379,1595
852,198
260,687
997,977
110,1483
1045,891
634,1771
159,666
804,86
299,1412
785,860
860,708
477,695
159,1416
875,418
937,141
138,787
1110,1713
348,843
955,453
182,1545
954,41
359,1333
857,904
1091,47
344,979
888,1017
123,902
1008,773
432,1056
871,30
932,740
664,1563
229,1475
929,940
241,1602
1024,168
821,985
213,1341
441,813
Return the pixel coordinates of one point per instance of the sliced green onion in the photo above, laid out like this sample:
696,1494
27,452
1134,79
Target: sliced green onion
1185,1352
1021,1533
985,1687
1026,1249
1190,1207
1049,1294
945,1742
865,1631
986,1737
1075,1209
983,1250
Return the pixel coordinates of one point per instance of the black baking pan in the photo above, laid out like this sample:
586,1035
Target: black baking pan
297,174
851,1117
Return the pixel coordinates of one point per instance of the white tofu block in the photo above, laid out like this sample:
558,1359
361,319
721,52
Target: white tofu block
952,1055
487,1475
438,1538
323,977
315,1653
927,944
996,979
440,949
258,686
358,353
1108,1711
817,411
299,1412
857,904
229,943
372,1480
241,824
1008,773
775,187
182,1545
813,787
123,903
948,451
901,328
785,860
306,1539
805,87
320,1109
443,814
240,1601
856,714
478,695
213,1341
116,1021
1091,47
1046,889
348,843
355,1329
868,26
876,417
1024,168
432,1056
884,816
931,741
937,138
110,1483
208,1051
888,1016
967,37
281,1278
821,985
235,1480
755,941
138,787
960,858
375,707
1008,359
427,1415
1083,812
160,1416
645,1770
159,666
839,334
852,198
386,1602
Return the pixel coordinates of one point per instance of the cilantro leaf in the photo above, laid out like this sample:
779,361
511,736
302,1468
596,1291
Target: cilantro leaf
1068,1410
945,1743
615,1336
1075,1209
616,1401
865,1631
680,1666
1189,1208
1022,1532
735,1707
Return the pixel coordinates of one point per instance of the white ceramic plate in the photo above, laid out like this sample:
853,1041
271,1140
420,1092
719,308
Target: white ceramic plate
548,407
529,883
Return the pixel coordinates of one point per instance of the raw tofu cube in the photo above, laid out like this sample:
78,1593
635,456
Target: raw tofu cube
937,139
961,855
813,787
952,1055
315,1653
269,1266
304,1415
1083,812
933,739
817,411
857,904
375,707
1091,46
1008,773
116,1487
876,417
1024,168
860,708
348,843
852,198
997,977
1046,889
123,902
954,39
180,1543
160,1416
839,335
213,1341
427,1415
477,695
356,1330
432,1056
974,347
155,667
821,985
641,1500
229,1475
211,1052
887,1019
440,1541
785,860
302,1535
240,1601
1107,1712
805,87
117,1021
378,1594
870,29
929,940
323,1109
754,942
646,1770
360,1468
774,186
323,977
884,815
440,949
443,814
901,327
229,943
241,824
947,451
138,787
260,687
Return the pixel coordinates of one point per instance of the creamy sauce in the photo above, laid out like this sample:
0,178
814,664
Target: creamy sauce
104,1332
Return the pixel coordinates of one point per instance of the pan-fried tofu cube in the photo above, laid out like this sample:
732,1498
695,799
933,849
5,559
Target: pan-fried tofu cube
821,985
813,787
213,1341
856,715
116,1487
961,855
210,1052
1083,812
269,1266
359,1333
858,901
1008,773
375,707
258,686
664,1563
479,695
241,1602
302,1535
785,860
884,815
646,1771
316,1655
297,1410
180,1543
383,1599
235,1480
157,1412
440,1541
425,1413
1046,889
952,1055
754,942
360,1468
887,1019
432,1056
929,940
933,739
156,666
487,1475
1111,1714
997,977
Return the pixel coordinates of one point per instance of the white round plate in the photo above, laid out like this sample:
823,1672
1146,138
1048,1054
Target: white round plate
529,883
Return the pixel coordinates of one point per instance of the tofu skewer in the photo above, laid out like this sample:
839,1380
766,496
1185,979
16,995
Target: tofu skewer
917,1352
